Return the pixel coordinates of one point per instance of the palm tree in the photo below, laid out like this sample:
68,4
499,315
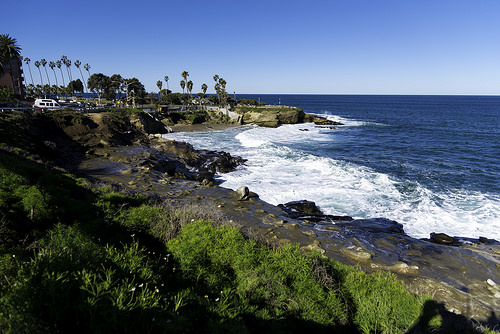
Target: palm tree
67,62
159,85
217,85
87,68
27,61
59,64
77,64
189,86
185,74
8,50
166,80
37,64
52,65
30,90
204,88
44,62
223,94
183,85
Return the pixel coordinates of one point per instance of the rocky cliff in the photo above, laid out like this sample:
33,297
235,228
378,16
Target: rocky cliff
275,116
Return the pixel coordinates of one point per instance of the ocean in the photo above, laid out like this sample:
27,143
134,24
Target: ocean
431,163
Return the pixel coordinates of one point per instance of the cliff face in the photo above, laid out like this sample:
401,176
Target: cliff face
66,139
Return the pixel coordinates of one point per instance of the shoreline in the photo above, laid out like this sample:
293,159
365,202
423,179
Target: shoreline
432,266
425,267
121,151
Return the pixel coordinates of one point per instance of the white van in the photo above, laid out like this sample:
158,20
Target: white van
48,104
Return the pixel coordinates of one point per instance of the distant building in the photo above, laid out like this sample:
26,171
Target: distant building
17,74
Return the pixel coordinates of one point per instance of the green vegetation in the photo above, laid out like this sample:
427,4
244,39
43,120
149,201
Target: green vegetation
249,102
8,50
7,95
77,256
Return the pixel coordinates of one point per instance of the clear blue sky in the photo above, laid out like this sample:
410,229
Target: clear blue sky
323,47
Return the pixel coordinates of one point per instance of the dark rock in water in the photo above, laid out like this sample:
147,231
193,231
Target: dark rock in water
220,162
487,241
375,225
442,239
309,212
301,208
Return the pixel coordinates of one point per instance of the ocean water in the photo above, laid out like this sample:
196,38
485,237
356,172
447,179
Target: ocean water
431,163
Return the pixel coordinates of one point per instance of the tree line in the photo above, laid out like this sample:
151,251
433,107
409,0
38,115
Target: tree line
221,98
114,88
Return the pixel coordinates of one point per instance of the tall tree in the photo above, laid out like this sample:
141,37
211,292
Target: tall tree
67,62
217,87
52,65
189,86
8,50
87,68
185,75
75,86
159,85
204,88
183,85
59,65
166,80
115,87
78,64
98,83
44,62
27,61
37,64
223,93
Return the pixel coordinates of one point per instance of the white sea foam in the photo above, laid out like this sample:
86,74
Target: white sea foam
279,173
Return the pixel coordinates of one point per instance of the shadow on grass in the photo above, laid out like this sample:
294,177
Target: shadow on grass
450,323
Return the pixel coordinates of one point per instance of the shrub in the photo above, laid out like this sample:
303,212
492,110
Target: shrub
75,285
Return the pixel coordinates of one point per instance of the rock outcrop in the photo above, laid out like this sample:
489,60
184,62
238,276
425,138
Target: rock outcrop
274,117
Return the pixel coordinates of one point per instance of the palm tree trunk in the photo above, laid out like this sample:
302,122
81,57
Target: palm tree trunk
40,75
32,82
55,76
47,74
83,80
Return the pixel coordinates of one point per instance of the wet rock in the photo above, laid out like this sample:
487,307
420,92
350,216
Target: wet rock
315,246
442,239
309,212
375,225
399,267
356,253
318,120
302,207
487,241
220,162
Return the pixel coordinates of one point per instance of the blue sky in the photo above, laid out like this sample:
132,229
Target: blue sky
275,47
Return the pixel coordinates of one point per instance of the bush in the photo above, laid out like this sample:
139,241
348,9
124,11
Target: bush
75,285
